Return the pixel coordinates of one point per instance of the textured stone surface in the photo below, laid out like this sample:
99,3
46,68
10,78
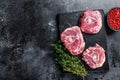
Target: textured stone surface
71,19
28,27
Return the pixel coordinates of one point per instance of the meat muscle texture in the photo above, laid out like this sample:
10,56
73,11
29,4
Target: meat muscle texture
73,40
91,22
94,56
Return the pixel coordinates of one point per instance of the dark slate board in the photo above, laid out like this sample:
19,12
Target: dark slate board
72,19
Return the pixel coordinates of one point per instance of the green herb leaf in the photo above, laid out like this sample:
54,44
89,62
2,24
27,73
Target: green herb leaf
69,62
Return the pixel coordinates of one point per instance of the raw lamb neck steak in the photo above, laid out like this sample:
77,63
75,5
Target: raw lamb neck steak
91,22
94,56
73,40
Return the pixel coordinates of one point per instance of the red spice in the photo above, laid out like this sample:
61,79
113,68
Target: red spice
114,18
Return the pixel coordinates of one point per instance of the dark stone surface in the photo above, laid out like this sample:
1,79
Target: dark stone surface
28,27
72,19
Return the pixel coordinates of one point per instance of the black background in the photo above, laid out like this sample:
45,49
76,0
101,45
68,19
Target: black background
28,27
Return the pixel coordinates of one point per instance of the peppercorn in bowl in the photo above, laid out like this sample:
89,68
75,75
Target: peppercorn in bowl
113,18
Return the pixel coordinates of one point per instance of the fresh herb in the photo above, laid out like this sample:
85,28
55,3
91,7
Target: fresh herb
68,62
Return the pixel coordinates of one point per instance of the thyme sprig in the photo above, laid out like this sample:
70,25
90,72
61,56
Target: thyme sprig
68,62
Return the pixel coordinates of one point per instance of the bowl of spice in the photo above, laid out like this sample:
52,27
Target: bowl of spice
113,18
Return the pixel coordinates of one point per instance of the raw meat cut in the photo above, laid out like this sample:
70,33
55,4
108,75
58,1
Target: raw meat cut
91,22
94,56
73,40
